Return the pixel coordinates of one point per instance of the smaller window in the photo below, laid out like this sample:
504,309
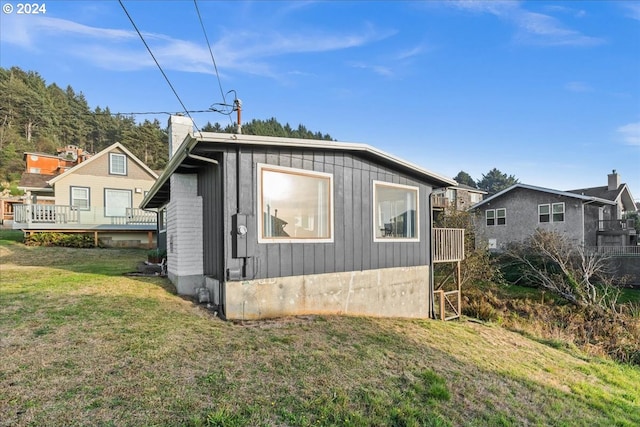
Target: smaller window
544,213
501,216
475,197
34,170
80,198
491,216
117,164
558,212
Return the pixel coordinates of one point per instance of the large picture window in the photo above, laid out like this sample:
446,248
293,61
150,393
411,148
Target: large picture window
296,205
116,202
80,198
395,212
117,164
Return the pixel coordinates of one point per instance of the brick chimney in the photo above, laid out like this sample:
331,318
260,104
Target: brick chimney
614,180
179,128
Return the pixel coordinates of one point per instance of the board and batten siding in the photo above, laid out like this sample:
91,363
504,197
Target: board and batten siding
353,248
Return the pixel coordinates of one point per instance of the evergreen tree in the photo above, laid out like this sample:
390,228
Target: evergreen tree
495,181
465,179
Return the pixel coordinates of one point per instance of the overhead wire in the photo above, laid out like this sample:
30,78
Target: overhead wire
213,60
158,64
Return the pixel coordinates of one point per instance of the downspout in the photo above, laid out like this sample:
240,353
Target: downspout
432,313
220,307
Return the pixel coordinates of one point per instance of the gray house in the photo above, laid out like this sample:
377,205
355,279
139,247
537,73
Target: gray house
268,227
592,217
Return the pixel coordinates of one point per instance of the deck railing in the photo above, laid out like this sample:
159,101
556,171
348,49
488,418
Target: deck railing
616,225
36,215
633,251
447,244
45,214
439,201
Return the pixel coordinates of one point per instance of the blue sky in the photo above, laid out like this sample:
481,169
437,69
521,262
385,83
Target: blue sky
546,91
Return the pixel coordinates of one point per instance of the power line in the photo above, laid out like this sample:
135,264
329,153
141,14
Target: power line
157,63
215,66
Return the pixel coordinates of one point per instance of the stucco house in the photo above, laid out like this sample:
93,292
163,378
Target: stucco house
269,227
100,196
592,217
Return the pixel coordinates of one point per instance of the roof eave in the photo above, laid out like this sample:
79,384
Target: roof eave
435,178
181,154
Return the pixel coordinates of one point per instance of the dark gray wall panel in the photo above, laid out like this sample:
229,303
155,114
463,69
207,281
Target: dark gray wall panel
353,247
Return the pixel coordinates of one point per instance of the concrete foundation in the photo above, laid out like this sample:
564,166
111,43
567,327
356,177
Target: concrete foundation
186,285
390,292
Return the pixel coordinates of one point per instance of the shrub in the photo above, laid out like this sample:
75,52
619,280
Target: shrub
60,239
610,333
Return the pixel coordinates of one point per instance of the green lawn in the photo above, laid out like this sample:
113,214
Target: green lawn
83,344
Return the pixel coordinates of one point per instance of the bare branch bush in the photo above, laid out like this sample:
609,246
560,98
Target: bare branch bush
550,260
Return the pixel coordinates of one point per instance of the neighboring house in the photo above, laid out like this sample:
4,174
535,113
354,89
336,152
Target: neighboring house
7,203
36,187
99,196
458,198
49,164
269,227
614,229
591,217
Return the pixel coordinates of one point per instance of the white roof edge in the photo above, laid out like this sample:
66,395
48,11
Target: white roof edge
545,190
315,143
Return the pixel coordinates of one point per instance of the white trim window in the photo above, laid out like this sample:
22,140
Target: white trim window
490,214
551,212
395,212
80,198
117,164
557,210
295,205
501,216
544,213
116,202
496,216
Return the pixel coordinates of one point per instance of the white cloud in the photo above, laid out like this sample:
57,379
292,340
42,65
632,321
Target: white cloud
28,33
532,27
410,53
578,87
633,10
630,133
118,49
377,69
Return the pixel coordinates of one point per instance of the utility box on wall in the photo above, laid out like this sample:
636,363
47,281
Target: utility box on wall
243,236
